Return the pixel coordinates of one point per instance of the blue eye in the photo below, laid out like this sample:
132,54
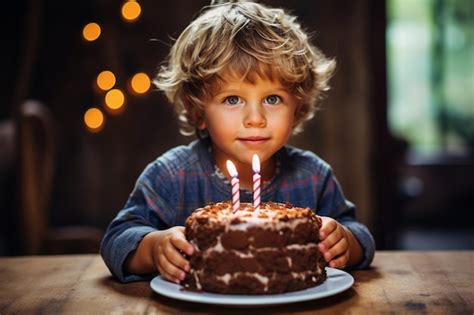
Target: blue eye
232,100
273,100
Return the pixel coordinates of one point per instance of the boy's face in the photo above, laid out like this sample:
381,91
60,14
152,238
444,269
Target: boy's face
244,118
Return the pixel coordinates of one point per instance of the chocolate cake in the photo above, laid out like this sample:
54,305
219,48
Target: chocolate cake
273,250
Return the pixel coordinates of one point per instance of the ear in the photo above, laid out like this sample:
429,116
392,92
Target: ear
198,119
201,125
296,114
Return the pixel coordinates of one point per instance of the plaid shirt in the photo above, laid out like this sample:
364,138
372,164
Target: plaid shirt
186,178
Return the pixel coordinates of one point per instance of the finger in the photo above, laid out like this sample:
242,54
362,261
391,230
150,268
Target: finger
337,249
331,239
175,258
340,261
179,241
328,225
166,275
169,269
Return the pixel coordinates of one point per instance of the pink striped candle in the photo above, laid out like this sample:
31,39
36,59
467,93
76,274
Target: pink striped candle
235,186
257,181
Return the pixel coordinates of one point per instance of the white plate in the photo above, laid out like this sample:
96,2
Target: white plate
337,281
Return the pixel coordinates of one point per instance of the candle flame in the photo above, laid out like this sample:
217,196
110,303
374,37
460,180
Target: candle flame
256,163
231,169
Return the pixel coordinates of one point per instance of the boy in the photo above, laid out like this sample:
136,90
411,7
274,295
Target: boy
245,77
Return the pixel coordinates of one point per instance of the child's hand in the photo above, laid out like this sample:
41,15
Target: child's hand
338,244
166,253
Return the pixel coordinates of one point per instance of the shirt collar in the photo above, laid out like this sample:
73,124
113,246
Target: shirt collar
218,178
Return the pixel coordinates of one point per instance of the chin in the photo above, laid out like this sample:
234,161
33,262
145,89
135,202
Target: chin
262,156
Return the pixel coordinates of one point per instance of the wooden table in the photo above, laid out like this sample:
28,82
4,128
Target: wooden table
399,281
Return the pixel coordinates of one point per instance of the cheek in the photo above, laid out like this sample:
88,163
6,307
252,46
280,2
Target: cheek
220,126
285,124
285,133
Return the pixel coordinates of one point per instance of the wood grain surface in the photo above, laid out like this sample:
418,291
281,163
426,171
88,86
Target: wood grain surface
397,282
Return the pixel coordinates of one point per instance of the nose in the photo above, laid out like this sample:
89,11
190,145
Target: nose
254,115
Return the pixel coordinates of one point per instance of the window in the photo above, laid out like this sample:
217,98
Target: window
430,59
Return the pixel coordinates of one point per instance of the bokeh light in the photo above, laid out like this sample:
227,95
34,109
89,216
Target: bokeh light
106,80
114,100
140,83
94,119
131,10
91,31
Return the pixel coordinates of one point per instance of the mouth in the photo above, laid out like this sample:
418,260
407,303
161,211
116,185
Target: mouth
253,140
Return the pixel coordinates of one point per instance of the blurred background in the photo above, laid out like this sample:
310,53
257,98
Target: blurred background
79,119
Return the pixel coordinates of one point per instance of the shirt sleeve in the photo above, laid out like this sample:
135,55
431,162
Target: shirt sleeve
332,203
148,208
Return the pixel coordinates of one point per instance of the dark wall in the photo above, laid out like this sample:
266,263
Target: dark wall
95,173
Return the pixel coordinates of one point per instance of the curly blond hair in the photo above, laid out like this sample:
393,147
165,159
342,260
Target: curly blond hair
248,39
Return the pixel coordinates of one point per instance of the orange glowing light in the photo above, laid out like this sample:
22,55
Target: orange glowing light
106,80
94,119
114,99
91,31
131,10
140,83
